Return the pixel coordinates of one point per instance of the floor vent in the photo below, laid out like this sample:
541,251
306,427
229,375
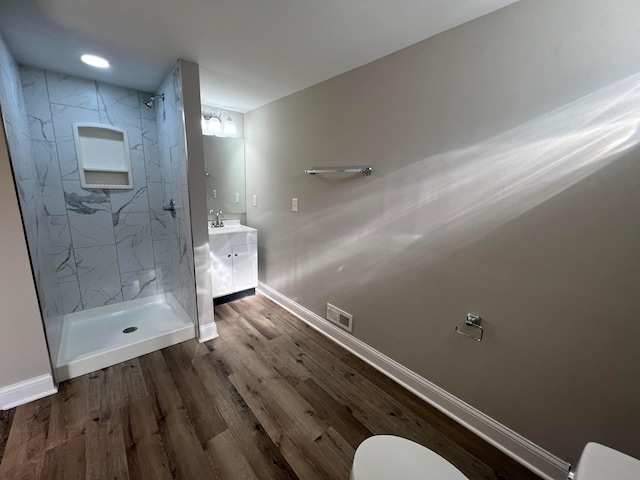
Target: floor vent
339,317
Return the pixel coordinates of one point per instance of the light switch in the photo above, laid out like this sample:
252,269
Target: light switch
255,200
294,204
215,194
237,197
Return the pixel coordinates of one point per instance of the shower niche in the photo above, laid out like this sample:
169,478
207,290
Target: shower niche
103,156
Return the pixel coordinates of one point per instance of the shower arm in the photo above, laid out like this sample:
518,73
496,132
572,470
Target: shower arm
149,101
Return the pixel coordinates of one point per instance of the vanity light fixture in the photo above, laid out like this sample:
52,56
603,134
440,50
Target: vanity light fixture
95,61
212,124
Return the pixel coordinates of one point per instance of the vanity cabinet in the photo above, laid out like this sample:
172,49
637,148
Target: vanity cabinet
234,259
234,269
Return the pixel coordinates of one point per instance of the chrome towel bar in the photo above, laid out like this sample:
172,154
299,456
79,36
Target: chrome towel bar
366,170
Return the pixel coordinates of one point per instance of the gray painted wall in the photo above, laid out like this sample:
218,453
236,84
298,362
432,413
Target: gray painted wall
505,184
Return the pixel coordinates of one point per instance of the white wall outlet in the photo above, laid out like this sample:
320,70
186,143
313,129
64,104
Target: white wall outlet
237,197
294,204
215,194
255,200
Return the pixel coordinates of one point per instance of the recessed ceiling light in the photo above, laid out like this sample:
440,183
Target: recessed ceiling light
95,61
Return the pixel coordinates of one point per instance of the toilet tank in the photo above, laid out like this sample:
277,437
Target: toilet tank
598,462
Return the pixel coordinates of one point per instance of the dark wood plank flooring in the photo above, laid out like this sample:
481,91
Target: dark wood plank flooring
269,399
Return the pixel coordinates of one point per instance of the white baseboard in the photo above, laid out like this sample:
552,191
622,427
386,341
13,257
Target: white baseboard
525,452
207,332
27,391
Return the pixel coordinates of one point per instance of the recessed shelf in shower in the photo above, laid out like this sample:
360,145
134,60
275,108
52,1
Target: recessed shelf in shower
103,156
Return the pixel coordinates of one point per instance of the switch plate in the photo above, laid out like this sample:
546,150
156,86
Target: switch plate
215,194
255,200
294,204
237,197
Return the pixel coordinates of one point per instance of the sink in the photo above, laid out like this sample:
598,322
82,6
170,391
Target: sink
230,229
232,234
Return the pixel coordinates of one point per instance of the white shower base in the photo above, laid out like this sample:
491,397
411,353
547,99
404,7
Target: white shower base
94,339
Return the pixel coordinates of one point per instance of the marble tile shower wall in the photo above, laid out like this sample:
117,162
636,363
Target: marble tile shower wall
30,187
177,241
104,247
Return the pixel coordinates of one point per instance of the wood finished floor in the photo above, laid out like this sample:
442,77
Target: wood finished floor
269,399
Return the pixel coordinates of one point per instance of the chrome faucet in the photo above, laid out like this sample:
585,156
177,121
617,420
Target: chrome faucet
219,221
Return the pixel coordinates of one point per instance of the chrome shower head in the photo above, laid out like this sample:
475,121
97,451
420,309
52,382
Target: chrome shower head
149,101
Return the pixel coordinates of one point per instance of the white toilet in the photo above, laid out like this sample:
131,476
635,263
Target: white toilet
387,457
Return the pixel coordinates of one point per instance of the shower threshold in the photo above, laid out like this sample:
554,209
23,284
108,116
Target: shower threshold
103,336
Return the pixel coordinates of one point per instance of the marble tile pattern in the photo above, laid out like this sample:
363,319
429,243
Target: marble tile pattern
159,218
133,239
62,250
139,284
34,87
48,170
98,276
103,241
174,243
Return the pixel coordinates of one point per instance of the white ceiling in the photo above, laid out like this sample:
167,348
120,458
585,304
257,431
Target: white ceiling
250,52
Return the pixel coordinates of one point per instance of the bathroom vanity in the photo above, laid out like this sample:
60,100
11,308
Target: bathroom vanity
234,258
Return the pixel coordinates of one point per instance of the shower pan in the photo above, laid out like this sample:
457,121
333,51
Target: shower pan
103,336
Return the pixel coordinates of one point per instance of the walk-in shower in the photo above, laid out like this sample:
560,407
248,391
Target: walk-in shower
114,272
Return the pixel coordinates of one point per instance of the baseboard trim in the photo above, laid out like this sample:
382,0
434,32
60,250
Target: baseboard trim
27,391
527,453
207,332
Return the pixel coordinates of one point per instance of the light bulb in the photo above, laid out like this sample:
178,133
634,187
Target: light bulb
95,61
216,126
229,126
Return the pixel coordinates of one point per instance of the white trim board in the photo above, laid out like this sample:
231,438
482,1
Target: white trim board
525,452
207,332
27,391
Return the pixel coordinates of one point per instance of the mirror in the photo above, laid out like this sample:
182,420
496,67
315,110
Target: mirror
224,164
